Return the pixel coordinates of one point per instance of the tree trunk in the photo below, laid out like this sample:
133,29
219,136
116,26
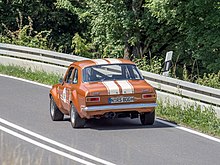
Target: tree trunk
127,51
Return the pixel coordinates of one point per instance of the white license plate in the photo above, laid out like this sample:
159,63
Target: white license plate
112,100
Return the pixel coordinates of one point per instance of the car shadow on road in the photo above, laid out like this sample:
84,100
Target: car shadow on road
120,123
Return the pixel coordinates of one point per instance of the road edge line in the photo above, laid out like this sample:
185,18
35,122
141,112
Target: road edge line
53,142
27,81
46,147
189,130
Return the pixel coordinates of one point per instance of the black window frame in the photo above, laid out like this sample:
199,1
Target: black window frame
68,76
77,76
128,65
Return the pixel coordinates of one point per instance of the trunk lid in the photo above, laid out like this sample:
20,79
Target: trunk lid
119,92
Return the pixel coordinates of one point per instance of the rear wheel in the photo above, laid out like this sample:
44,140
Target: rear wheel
75,119
55,113
147,118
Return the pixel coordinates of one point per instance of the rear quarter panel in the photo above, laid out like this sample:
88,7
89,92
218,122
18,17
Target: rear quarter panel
54,93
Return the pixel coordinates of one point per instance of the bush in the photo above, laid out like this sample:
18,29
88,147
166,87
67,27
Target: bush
25,35
211,80
151,65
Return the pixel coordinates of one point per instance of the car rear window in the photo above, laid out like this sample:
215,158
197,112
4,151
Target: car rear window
111,72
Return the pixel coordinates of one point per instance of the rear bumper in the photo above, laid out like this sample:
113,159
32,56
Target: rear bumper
121,106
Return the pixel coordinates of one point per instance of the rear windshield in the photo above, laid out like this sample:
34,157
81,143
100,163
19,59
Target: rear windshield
111,72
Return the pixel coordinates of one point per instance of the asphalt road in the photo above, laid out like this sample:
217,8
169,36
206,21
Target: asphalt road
118,141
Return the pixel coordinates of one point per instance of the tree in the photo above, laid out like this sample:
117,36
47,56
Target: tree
198,23
126,25
126,28
62,23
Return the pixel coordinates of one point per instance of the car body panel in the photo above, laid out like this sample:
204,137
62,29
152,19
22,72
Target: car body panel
114,95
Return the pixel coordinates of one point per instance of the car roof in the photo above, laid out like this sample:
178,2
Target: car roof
85,63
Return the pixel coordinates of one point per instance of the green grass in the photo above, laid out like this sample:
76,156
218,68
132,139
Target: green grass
38,76
194,117
204,121
211,80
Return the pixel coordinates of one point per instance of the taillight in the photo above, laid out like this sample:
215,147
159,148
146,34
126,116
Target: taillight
146,96
93,99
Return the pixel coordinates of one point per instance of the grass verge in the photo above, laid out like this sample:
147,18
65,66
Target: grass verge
38,76
204,121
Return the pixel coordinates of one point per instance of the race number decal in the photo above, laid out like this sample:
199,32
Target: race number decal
64,95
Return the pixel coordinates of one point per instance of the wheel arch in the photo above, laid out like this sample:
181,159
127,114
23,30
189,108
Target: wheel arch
74,100
53,93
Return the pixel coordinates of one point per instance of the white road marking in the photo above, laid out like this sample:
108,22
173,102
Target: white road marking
126,87
100,61
24,80
54,142
111,87
161,121
189,130
44,146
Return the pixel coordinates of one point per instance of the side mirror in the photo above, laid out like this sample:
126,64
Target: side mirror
61,80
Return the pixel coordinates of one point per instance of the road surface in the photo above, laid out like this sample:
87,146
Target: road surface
27,132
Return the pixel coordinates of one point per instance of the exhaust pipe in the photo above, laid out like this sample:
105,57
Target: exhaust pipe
110,115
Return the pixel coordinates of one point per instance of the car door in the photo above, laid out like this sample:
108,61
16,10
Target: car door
71,87
64,89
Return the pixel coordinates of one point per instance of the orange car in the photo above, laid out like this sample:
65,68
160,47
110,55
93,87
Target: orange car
109,88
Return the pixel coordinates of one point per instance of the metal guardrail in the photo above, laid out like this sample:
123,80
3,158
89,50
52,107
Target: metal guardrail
39,55
181,89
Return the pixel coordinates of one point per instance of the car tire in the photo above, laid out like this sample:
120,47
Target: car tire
147,118
55,113
75,119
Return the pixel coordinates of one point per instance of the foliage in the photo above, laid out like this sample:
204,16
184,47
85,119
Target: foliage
80,46
185,74
193,116
137,27
124,25
123,28
198,25
211,80
83,48
61,23
152,65
25,35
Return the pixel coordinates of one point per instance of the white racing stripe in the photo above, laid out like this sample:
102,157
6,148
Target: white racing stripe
126,86
113,61
100,61
112,87
52,142
27,139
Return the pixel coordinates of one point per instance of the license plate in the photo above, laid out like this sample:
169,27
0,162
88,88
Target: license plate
112,100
